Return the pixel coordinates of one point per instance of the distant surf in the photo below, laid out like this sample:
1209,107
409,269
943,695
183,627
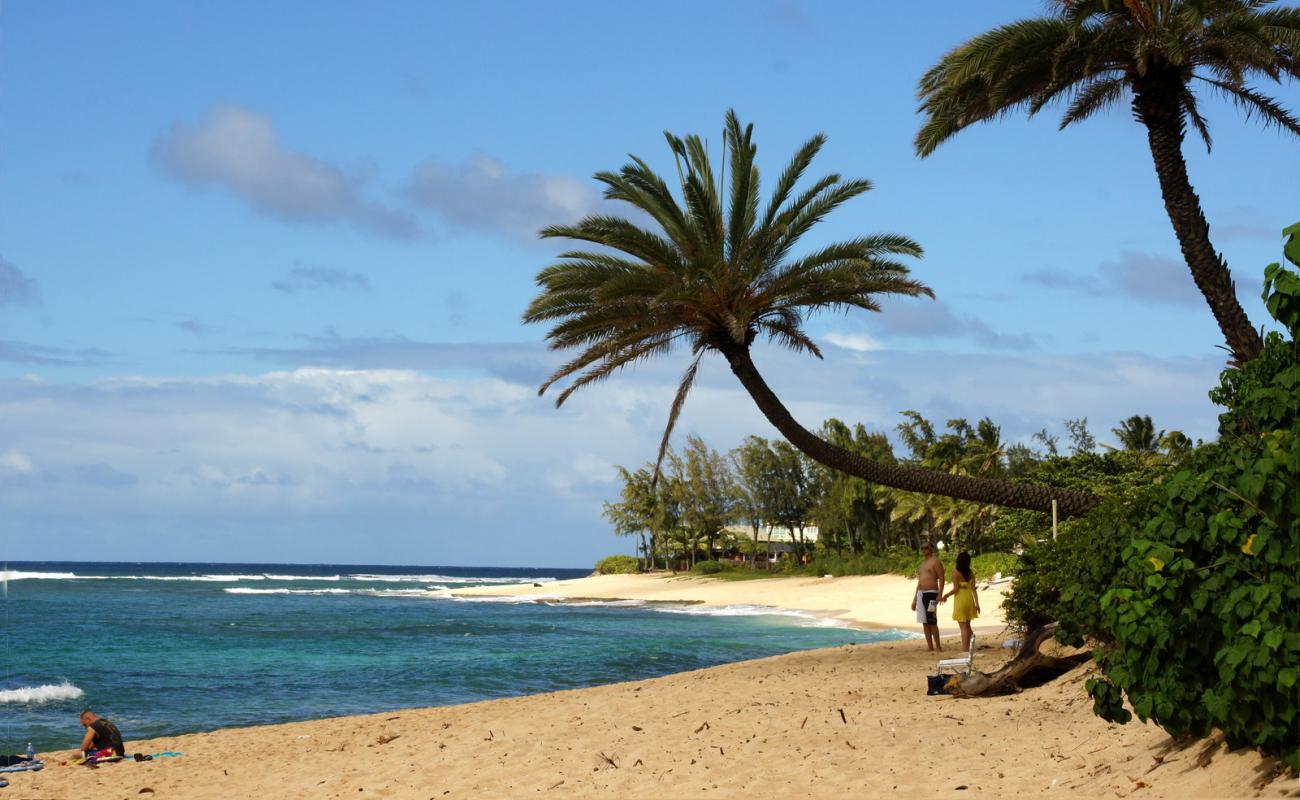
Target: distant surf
48,693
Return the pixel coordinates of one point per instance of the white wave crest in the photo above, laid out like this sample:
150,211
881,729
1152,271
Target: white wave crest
508,600
14,575
47,693
245,590
199,578
270,577
433,592
446,579
806,617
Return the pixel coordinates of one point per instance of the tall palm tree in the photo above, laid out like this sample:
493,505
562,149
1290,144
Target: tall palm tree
1138,435
716,279
1098,52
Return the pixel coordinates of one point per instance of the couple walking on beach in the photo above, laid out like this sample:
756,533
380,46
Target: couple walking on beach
929,594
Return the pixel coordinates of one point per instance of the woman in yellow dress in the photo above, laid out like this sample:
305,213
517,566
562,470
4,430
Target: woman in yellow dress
966,605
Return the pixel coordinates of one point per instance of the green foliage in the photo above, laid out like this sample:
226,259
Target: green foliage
986,565
899,560
1061,579
1202,616
618,565
707,568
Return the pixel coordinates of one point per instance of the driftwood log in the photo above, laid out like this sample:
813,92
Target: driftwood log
1028,668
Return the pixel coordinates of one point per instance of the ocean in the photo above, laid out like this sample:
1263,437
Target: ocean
166,649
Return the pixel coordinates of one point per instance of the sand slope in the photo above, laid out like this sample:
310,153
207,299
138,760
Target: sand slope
769,728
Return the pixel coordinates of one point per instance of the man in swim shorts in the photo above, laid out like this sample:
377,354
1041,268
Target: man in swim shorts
101,734
929,590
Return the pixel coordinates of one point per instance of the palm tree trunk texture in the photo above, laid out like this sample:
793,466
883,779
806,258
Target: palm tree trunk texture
1156,107
911,479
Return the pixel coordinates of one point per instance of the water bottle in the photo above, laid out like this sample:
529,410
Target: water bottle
31,753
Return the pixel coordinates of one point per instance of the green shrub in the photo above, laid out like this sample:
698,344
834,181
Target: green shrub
707,568
1204,613
900,560
618,565
986,565
1063,579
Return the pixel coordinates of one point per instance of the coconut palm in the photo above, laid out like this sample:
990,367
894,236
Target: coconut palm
716,278
1138,435
1095,53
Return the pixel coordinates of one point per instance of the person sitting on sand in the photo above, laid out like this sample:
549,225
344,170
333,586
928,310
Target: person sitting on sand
966,603
929,593
101,734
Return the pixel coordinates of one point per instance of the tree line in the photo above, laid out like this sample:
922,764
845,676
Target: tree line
681,513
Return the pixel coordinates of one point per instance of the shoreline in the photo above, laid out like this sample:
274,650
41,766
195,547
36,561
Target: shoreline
844,721
871,602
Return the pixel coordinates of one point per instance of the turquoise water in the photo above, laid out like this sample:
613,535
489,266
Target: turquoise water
177,648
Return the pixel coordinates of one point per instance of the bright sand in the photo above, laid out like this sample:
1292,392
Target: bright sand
769,728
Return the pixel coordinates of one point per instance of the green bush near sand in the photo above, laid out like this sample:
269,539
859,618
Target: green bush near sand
618,565
1191,586
1205,611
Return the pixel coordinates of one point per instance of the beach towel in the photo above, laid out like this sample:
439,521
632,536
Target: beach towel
24,766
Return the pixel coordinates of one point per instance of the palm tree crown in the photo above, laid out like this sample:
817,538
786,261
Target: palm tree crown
717,277
712,276
1096,53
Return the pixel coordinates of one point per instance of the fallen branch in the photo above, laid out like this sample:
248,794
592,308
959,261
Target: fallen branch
1028,668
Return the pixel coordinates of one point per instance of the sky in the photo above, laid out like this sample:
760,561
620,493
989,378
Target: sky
262,266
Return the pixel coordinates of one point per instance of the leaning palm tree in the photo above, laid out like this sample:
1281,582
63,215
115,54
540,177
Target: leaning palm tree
717,279
1098,52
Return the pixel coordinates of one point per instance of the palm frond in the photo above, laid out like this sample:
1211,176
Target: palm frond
1253,103
1093,97
679,401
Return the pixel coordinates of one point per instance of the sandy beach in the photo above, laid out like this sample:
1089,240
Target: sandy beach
873,601
847,721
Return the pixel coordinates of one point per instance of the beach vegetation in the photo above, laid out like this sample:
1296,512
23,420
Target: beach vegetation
1092,55
618,565
1188,586
1203,616
716,271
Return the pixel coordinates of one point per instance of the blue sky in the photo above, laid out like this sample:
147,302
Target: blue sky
262,265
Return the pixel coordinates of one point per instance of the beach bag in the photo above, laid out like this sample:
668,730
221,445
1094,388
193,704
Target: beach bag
936,684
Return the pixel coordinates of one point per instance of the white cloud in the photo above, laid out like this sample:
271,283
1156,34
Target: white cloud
481,194
393,465
239,150
1139,276
859,342
15,461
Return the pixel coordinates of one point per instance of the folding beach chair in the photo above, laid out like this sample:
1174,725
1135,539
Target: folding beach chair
960,664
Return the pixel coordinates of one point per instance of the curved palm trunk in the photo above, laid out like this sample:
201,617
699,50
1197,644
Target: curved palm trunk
1156,106
912,479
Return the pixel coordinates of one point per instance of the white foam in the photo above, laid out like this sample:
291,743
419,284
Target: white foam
270,577
47,693
508,600
245,590
433,592
806,617
14,575
446,579
199,578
